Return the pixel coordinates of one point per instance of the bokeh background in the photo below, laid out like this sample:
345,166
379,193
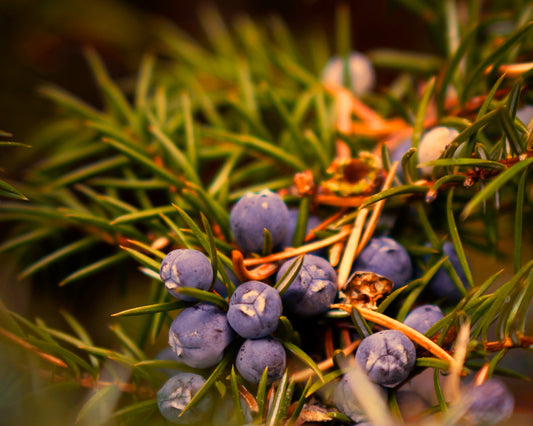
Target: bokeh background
42,41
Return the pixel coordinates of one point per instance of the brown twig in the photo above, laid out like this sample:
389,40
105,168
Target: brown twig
258,274
248,399
392,324
525,342
89,382
335,200
351,248
512,70
481,375
328,343
336,249
324,225
23,344
293,252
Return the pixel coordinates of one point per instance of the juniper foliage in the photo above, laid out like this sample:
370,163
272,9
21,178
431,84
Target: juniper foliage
161,164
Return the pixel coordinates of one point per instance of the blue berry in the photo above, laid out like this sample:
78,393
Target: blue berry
185,268
199,335
491,403
254,213
167,354
433,144
257,354
410,403
313,290
525,114
312,222
361,73
254,310
441,285
387,356
424,384
177,392
398,152
346,401
384,256
423,317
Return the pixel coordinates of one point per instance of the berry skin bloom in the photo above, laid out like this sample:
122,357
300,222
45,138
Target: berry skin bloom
387,357
185,268
491,403
313,290
423,317
361,74
384,256
254,213
177,392
254,310
433,144
257,354
199,335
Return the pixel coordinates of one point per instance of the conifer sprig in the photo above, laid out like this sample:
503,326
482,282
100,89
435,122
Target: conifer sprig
160,166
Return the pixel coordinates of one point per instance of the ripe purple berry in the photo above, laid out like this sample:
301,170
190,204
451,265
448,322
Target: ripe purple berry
257,354
398,152
525,114
491,403
384,256
177,392
410,403
254,213
199,335
254,310
423,317
361,74
441,285
167,354
185,268
313,290
346,401
387,356
433,144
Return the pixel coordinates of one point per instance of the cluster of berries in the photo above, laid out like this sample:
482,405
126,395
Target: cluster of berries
200,334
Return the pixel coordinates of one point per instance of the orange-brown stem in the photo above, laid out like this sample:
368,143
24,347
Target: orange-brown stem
258,274
23,344
89,382
293,252
393,324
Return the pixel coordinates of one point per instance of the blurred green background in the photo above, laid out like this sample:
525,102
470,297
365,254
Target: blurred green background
42,42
